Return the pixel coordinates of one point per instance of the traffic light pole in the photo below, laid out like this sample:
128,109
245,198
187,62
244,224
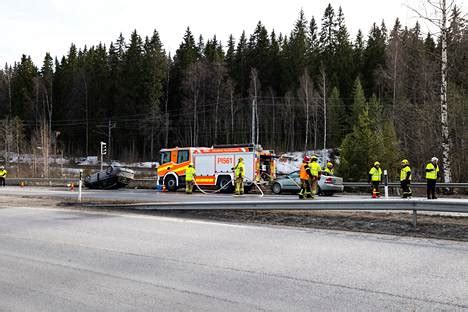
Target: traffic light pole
103,152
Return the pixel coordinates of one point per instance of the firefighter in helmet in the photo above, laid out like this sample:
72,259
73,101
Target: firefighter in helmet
330,168
3,175
375,177
314,176
405,178
304,173
190,174
432,173
239,174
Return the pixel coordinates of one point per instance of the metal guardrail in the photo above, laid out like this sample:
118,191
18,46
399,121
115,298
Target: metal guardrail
16,181
362,204
58,181
413,205
414,184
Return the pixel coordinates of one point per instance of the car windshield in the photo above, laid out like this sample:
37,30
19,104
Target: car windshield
294,175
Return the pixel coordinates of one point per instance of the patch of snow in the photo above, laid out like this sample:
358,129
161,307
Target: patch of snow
291,161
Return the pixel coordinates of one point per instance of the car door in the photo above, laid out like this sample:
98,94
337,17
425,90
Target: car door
293,180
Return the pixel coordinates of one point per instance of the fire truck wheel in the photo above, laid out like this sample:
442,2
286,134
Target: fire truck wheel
170,183
221,184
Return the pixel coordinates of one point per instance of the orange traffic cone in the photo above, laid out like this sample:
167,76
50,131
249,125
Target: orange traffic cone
374,193
72,187
22,184
164,189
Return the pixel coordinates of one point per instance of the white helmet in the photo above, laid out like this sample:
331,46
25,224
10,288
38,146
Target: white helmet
2,167
434,159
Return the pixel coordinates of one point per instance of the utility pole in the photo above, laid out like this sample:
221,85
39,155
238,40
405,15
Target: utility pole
324,110
254,77
109,137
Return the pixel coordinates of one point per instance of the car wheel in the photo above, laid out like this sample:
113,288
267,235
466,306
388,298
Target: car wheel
224,183
276,188
171,183
109,170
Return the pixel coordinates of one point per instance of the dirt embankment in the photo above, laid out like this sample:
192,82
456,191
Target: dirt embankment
393,223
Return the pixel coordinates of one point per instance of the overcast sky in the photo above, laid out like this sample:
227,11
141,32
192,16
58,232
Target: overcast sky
34,27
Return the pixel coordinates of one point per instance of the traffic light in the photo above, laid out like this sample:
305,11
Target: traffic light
103,148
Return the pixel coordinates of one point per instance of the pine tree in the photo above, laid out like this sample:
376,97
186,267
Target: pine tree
154,73
229,58
241,69
360,149
359,102
298,49
327,41
374,59
337,118
344,72
391,155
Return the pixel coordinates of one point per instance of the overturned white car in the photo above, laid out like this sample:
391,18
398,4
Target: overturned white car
111,178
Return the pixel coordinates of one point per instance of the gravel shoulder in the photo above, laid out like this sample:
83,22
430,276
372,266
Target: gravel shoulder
392,223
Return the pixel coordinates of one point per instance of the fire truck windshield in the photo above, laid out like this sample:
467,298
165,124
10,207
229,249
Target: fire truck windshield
165,157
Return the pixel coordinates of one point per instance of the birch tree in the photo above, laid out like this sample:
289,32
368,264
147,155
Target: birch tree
436,12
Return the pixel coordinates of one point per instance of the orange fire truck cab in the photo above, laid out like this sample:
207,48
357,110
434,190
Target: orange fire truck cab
214,165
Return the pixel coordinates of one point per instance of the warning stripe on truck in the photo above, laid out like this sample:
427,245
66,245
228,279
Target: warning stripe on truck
207,180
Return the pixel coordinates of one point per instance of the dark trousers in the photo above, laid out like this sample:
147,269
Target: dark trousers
405,186
2,181
375,186
431,188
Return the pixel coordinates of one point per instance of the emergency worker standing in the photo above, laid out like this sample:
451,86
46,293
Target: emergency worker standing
329,168
304,173
239,172
432,173
375,177
190,174
3,175
405,178
314,176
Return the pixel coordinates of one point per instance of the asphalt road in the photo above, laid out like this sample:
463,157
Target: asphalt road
59,260
146,195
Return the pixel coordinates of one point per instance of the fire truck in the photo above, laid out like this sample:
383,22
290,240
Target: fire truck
214,165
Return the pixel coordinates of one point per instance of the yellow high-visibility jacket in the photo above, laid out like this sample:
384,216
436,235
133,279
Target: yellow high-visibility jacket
376,174
3,173
239,170
432,171
315,168
404,173
189,174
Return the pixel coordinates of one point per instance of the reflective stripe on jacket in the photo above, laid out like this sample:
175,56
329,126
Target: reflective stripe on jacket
189,173
431,171
404,173
376,174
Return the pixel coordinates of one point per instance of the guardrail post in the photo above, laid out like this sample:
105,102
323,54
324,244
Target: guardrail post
80,184
386,183
415,218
